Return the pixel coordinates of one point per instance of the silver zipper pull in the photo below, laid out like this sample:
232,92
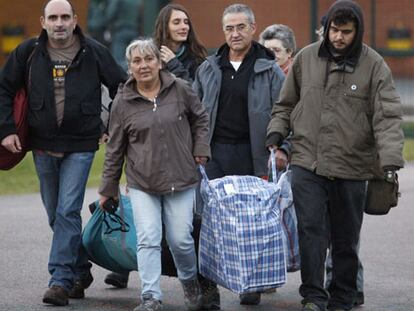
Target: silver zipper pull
155,105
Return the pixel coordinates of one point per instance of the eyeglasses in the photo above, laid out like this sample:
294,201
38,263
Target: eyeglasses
238,28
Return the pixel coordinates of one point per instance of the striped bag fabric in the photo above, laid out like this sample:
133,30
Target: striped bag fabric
241,239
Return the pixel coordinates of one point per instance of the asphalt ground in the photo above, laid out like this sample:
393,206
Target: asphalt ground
387,253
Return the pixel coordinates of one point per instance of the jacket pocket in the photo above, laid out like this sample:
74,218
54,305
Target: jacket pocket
391,107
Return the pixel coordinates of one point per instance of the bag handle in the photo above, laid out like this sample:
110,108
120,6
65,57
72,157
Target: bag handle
273,165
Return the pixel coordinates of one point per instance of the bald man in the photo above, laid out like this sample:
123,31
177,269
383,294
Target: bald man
62,71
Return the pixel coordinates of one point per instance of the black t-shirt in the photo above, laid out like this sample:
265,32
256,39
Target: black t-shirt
232,121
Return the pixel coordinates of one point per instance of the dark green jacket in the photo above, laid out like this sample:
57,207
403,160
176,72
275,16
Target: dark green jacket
343,124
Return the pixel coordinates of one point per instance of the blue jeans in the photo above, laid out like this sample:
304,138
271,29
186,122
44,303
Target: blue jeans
175,210
62,188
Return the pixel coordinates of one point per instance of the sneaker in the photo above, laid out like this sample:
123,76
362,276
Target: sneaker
148,303
310,306
250,298
78,289
117,279
56,295
211,295
192,294
359,299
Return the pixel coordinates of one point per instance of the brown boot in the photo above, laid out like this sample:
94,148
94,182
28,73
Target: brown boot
57,296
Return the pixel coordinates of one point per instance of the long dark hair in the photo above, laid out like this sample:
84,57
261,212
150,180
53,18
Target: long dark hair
162,33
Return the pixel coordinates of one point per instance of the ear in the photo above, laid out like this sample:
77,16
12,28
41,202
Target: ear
253,28
42,22
75,21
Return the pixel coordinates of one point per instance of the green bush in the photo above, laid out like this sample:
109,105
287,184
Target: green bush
23,179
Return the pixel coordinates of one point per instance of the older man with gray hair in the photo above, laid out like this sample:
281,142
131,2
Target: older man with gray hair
238,86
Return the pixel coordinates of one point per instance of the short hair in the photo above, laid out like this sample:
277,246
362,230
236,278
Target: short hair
47,2
239,8
281,32
145,46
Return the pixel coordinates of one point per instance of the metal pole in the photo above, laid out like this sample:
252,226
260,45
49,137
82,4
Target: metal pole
314,23
373,23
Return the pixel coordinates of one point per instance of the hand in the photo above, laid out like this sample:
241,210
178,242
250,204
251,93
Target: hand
166,54
104,139
102,200
12,143
201,160
281,160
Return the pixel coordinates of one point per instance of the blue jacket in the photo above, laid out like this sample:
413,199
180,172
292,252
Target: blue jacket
263,92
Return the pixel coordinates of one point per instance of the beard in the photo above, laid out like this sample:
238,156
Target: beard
339,52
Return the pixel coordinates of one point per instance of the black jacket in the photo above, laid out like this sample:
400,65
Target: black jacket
184,66
81,125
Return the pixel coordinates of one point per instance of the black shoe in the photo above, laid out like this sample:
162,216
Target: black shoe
250,298
57,296
78,289
359,299
211,295
116,279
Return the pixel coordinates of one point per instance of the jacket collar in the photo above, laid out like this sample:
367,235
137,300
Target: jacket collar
264,57
129,90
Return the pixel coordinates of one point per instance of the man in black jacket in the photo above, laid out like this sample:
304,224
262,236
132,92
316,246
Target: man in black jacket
62,71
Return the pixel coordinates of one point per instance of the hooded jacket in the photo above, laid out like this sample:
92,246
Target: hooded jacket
81,126
344,122
159,140
263,92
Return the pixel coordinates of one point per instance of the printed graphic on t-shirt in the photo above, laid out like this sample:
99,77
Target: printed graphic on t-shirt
59,70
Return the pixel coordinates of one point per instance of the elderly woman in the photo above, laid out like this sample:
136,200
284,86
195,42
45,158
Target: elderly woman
281,40
160,127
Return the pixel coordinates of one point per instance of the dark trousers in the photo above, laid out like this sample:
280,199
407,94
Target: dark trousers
328,208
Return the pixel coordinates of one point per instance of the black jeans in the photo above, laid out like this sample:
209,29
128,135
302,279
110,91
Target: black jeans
328,209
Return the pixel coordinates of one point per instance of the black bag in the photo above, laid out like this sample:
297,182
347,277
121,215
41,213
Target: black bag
167,263
382,195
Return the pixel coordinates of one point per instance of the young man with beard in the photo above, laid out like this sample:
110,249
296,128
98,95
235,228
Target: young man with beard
340,102
238,86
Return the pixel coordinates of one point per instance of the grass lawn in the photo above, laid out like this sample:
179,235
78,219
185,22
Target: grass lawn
23,179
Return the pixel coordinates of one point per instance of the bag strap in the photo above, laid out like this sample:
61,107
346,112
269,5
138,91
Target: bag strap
273,165
123,226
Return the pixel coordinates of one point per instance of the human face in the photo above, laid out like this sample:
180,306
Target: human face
59,23
238,32
282,55
178,26
144,68
341,36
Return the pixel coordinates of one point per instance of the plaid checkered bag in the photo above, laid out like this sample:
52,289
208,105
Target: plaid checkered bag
241,239
289,222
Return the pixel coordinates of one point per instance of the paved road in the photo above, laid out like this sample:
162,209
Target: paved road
387,251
